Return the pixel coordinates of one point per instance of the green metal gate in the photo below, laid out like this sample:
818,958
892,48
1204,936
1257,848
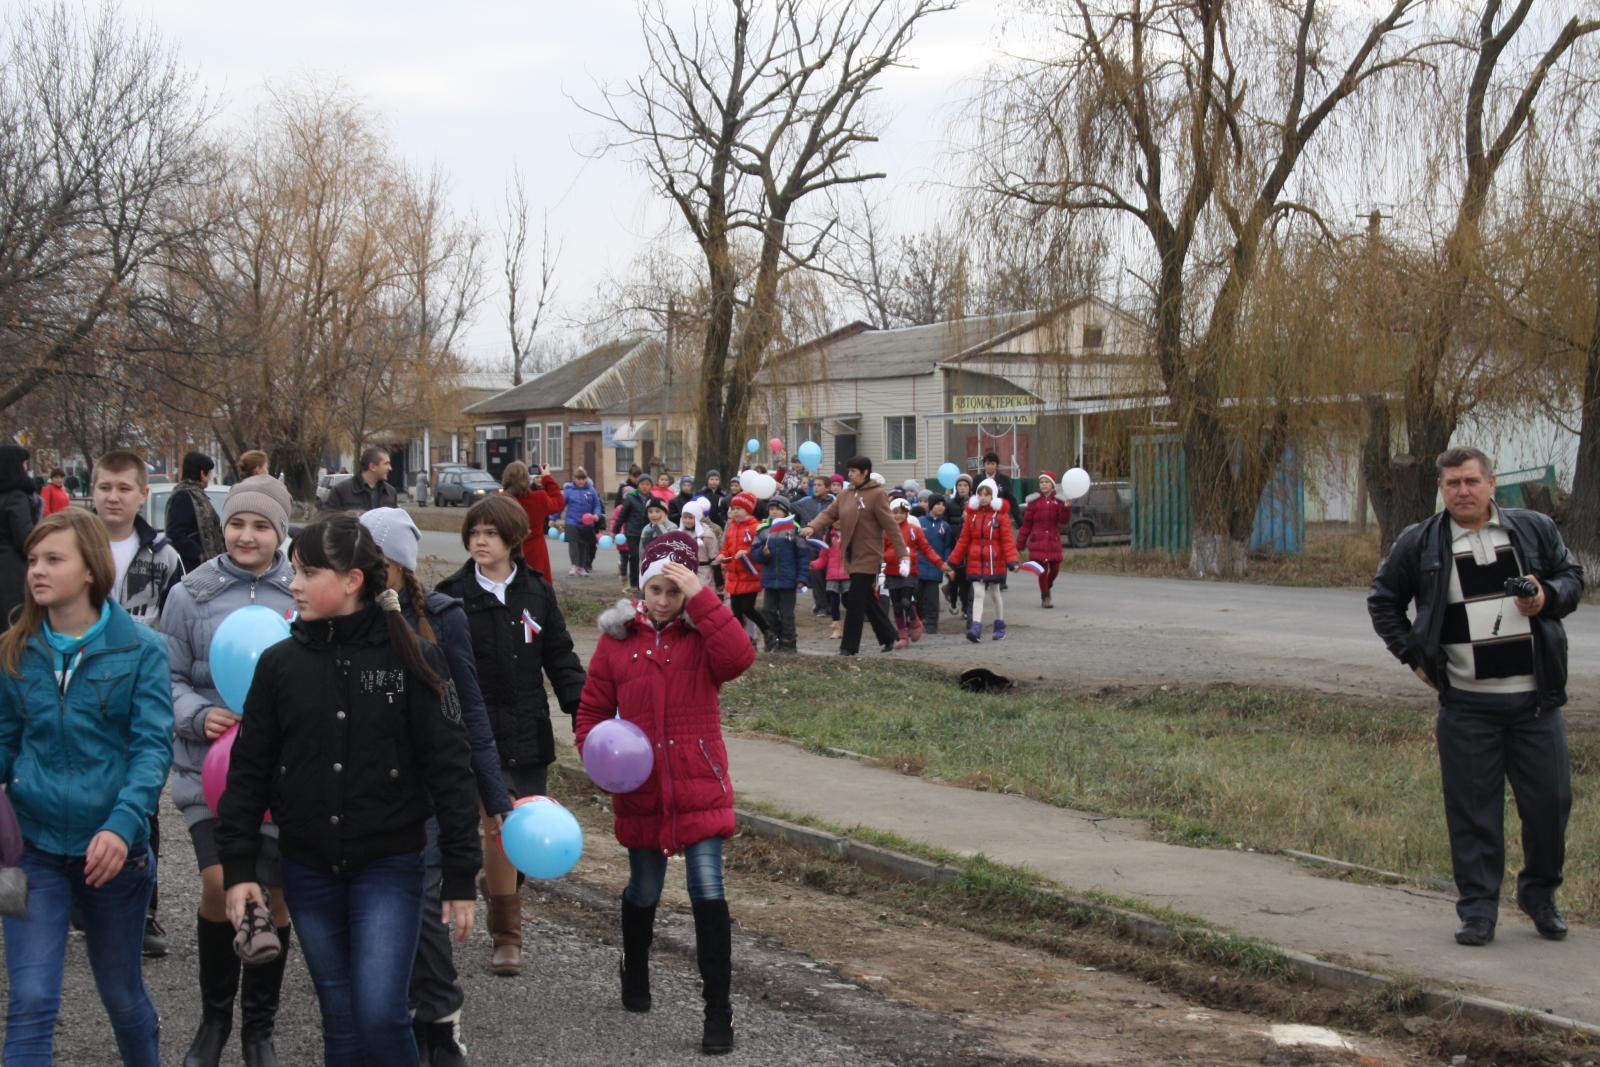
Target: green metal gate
1160,494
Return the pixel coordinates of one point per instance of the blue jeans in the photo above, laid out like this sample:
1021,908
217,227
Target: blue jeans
647,873
359,935
36,951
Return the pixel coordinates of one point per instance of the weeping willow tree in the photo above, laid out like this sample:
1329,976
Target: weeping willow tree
1192,129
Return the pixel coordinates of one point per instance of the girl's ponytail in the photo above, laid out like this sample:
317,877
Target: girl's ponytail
340,543
419,602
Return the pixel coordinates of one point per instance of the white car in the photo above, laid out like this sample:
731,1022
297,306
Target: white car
155,509
327,482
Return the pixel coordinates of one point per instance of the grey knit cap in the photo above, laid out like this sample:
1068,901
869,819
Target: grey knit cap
261,495
396,534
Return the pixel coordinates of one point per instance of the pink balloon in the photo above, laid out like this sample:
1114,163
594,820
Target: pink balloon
214,771
776,444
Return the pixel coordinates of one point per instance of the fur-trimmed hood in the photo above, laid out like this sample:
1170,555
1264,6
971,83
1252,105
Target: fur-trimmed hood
617,620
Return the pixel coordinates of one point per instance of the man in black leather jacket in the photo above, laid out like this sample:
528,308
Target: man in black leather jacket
1498,661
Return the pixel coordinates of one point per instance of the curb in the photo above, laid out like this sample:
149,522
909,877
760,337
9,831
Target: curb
886,863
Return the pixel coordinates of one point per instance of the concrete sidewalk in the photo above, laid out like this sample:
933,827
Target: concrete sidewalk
1400,930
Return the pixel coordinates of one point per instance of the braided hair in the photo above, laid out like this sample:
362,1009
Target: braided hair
412,590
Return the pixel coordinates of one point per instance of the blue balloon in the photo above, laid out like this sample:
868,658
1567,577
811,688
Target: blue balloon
563,536
752,446
552,533
810,454
606,541
948,473
621,539
237,645
541,838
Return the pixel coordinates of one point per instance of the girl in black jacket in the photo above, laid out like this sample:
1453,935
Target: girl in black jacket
352,737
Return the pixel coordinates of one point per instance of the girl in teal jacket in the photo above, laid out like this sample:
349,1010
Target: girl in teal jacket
85,743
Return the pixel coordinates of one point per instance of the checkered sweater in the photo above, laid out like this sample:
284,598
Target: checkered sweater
1488,643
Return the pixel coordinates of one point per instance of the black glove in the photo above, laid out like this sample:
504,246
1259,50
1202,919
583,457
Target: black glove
1011,566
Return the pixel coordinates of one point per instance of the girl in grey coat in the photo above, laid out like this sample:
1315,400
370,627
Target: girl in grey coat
255,523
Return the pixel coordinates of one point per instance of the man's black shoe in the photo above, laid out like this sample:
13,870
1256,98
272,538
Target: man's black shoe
1547,920
1475,932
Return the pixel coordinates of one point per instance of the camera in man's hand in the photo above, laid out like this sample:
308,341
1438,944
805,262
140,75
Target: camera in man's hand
1522,588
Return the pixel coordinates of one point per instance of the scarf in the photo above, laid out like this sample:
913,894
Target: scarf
205,519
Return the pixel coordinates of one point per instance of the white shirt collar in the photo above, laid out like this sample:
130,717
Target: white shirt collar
492,586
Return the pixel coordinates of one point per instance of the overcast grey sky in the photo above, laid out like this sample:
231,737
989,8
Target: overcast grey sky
477,84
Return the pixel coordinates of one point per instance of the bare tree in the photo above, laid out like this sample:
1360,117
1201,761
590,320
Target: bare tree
1160,118
743,122
101,136
1496,102
522,323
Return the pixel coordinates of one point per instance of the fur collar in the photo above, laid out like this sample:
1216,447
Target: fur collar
626,615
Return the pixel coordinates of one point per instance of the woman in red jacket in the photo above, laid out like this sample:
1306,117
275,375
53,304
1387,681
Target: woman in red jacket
679,640
1046,514
988,546
540,504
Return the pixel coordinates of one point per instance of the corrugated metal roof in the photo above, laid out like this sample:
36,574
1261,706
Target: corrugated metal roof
869,353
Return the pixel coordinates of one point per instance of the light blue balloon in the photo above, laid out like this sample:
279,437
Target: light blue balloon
237,645
563,536
606,541
752,446
621,539
542,839
948,473
552,533
810,454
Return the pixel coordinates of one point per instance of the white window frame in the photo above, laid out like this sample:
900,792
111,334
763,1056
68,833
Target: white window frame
906,422
532,446
674,464
624,458
806,430
555,445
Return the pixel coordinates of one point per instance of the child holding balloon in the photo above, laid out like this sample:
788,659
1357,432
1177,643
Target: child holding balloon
255,523
85,743
353,738
680,640
1042,521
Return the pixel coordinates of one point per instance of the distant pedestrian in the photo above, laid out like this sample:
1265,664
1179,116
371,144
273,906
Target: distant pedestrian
685,494
707,534
1002,481
717,497
936,530
902,586
828,572
252,464
55,493
352,736
862,512
420,489
1040,535
542,504
988,547
86,718
582,519
958,590
367,489
686,805
1496,655
657,523
739,565
16,523
192,523
629,522
785,557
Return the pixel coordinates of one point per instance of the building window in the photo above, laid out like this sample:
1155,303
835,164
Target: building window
531,457
624,459
900,436
674,454
806,430
1093,336
485,435
553,446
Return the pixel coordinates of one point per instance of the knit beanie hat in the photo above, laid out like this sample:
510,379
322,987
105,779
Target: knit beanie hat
674,547
713,473
744,500
261,495
838,479
965,478
781,502
397,536
899,504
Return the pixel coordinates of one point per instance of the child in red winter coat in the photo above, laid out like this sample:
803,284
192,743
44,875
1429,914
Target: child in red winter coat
830,564
679,640
1046,514
988,546
903,590
741,571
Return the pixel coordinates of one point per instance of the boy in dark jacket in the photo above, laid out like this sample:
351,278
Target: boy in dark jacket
518,639
942,540
630,521
784,556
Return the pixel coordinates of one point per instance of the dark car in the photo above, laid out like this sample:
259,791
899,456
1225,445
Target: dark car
1104,513
464,486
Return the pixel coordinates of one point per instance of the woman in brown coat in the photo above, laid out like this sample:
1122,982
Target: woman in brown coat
862,512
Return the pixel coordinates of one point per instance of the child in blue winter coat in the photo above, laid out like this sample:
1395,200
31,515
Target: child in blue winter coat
582,519
784,556
942,539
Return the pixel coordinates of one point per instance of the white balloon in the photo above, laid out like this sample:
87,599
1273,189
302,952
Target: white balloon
765,487
1075,483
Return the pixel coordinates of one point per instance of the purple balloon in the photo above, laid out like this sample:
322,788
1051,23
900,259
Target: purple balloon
617,756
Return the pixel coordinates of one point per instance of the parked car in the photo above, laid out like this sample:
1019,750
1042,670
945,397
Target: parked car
327,482
155,508
1104,513
462,486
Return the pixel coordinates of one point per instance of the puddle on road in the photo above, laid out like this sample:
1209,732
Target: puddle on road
1317,1036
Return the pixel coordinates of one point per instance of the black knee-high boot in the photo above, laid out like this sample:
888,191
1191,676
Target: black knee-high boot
713,939
258,1005
638,930
219,982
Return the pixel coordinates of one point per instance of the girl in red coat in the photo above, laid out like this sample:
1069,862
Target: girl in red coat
740,570
903,588
989,548
540,504
1046,514
679,640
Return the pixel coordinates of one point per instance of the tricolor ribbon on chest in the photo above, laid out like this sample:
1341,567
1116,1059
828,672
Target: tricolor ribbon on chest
530,627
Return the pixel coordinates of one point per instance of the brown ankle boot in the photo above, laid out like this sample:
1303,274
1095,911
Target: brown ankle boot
505,928
837,631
